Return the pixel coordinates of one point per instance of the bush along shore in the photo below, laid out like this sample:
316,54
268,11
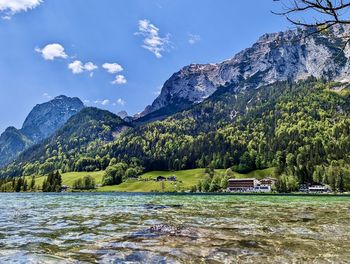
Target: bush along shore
119,178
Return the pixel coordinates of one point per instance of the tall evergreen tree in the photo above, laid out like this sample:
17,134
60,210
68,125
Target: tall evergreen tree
32,183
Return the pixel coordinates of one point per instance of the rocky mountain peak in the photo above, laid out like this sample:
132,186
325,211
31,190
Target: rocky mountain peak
61,97
46,118
41,123
122,114
290,55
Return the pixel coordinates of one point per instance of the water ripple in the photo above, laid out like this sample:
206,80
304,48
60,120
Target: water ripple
139,228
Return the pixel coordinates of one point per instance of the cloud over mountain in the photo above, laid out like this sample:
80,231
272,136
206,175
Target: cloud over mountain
79,67
119,79
112,67
11,7
193,38
52,51
120,101
152,41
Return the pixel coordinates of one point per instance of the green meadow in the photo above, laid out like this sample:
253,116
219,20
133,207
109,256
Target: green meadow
146,183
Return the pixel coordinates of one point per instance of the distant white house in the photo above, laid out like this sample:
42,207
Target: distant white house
314,188
319,188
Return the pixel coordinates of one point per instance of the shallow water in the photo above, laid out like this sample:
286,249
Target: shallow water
139,228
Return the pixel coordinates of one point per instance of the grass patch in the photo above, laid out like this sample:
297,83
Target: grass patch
69,178
185,180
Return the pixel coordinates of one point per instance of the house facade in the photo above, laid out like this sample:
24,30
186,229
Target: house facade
250,185
314,188
318,189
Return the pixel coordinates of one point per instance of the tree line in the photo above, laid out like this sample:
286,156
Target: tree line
302,129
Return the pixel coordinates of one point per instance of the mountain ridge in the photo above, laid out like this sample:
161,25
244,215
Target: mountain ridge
42,121
275,115
85,131
291,55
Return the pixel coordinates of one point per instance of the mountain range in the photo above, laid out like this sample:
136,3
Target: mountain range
292,55
41,123
283,103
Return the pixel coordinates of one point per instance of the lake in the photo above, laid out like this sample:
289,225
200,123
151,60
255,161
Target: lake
151,228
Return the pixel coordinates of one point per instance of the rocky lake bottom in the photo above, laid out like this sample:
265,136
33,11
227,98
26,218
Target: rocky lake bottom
159,228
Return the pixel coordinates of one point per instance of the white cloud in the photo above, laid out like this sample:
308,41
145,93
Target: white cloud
47,96
152,42
193,39
105,102
78,67
112,67
158,90
120,101
11,7
52,51
119,79
90,66
102,102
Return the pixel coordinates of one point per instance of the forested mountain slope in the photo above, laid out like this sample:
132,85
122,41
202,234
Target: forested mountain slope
42,121
83,133
300,128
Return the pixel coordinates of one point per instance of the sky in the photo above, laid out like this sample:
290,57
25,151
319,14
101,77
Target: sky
116,54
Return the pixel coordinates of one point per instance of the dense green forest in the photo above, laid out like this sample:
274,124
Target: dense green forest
84,133
52,183
301,128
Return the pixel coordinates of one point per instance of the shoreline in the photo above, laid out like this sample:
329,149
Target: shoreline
187,194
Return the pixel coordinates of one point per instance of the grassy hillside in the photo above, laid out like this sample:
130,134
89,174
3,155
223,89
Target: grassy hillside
69,178
185,180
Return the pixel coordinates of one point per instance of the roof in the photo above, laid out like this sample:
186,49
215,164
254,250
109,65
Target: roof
317,186
243,179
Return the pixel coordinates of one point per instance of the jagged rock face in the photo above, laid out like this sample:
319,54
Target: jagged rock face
41,123
46,118
291,55
122,114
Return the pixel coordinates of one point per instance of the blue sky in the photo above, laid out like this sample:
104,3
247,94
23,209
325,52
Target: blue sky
54,47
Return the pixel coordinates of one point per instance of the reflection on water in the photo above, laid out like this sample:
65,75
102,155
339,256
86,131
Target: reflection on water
136,228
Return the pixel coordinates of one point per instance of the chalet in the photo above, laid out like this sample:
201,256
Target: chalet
268,181
304,187
172,178
319,188
64,188
314,188
160,178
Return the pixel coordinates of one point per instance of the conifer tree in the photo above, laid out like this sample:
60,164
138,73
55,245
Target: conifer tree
32,184
25,185
18,185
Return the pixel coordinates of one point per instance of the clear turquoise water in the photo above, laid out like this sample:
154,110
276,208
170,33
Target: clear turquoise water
135,228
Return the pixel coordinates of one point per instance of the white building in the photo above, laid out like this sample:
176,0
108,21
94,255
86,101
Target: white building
318,189
250,185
